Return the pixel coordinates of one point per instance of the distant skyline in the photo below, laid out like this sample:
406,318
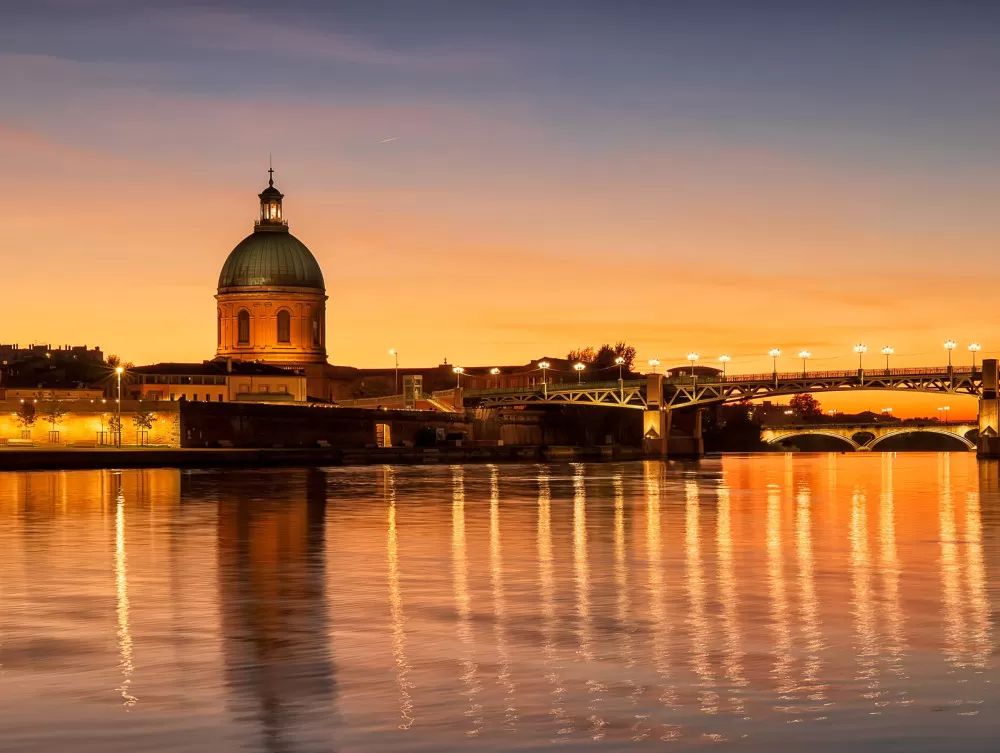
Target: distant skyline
492,182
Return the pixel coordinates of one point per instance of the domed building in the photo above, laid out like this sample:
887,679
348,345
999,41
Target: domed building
272,296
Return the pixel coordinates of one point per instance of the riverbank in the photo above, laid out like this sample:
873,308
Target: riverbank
154,457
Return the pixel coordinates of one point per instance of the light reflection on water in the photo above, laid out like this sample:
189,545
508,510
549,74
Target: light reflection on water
774,602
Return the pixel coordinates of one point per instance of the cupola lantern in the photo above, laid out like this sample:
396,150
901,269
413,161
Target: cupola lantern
271,215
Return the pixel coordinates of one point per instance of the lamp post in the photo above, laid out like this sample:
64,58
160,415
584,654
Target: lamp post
949,346
579,372
973,349
395,353
774,353
654,362
724,359
544,365
804,354
119,370
945,408
860,349
496,373
887,350
458,371
620,363
692,357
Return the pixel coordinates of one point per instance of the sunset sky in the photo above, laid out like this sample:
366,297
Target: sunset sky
490,182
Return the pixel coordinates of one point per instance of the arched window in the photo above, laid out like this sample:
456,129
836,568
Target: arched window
316,341
243,327
284,327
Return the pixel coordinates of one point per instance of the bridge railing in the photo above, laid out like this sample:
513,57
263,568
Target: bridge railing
558,387
894,424
793,376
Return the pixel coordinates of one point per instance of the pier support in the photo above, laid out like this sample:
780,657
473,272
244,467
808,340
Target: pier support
660,437
989,413
655,420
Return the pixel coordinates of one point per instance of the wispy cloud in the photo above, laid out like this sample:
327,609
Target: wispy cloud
243,32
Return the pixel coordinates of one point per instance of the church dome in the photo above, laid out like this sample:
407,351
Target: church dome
271,256
266,258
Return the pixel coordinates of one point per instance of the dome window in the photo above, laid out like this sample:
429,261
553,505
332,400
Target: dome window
284,327
243,327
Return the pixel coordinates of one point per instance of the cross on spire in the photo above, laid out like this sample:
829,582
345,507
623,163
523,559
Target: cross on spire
270,171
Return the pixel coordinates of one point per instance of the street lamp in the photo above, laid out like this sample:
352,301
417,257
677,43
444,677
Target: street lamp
860,349
887,412
496,373
973,349
804,354
119,370
458,370
395,353
887,350
620,362
945,408
949,346
654,362
774,353
724,359
579,372
692,357
543,365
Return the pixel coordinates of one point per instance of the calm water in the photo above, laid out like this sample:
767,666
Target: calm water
758,603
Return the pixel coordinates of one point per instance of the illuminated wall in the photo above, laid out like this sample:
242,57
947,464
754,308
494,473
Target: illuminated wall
84,420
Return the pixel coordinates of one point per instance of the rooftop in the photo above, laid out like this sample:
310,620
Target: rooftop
210,368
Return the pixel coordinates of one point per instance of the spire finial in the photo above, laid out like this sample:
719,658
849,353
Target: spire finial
270,171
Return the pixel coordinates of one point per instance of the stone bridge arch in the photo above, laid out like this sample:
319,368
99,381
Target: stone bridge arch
942,431
879,433
777,436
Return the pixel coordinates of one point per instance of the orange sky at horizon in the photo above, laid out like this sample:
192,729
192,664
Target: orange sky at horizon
500,223
417,285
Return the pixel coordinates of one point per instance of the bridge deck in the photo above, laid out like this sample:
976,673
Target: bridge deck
687,391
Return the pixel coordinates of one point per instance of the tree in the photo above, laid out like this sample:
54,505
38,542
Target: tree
582,355
25,416
806,406
53,413
114,361
142,420
607,354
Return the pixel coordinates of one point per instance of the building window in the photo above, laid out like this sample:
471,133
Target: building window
172,397
220,397
284,327
282,389
315,332
243,322
196,397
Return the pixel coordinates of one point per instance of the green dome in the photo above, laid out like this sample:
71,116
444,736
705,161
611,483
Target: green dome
271,259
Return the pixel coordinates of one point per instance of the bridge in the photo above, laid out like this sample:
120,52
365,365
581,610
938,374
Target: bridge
693,391
866,437
658,395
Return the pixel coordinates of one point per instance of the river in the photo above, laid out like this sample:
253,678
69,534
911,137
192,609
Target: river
755,603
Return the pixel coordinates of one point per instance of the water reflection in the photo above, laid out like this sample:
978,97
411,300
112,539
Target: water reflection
273,616
499,602
791,601
396,607
463,602
729,597
121,601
